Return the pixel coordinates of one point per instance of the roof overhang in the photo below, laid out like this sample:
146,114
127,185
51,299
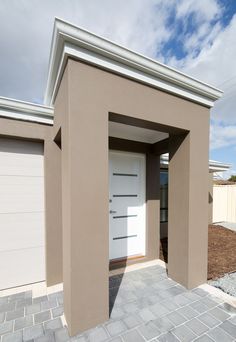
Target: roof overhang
71,41
25,111
214,166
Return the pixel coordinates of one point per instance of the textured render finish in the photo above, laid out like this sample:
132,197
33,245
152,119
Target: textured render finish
152,206
188,207
85,209
87,98
53,209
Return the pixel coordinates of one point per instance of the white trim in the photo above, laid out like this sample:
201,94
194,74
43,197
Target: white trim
214,166
26,111
72,41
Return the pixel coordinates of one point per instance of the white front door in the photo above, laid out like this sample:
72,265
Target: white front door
127,204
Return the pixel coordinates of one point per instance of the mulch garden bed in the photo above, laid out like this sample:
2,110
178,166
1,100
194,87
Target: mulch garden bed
221,251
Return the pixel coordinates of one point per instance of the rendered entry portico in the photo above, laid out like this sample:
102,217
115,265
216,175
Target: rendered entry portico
93,85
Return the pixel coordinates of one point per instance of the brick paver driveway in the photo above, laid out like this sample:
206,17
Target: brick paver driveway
145,305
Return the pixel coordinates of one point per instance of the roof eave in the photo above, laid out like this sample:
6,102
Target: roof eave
71,41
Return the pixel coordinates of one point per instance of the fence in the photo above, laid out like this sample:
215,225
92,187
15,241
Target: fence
224,203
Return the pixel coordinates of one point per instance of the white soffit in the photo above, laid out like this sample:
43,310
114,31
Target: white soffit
26,111
119,130
72,41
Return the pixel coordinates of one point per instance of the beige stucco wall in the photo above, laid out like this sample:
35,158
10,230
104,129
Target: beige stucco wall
88,97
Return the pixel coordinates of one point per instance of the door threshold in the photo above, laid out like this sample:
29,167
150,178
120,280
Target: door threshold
122,262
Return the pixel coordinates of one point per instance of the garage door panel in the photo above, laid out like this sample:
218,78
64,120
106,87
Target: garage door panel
21,194
22,267
17,233
22,242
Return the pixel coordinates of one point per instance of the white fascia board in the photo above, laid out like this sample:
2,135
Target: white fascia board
72,41
26,111
214,166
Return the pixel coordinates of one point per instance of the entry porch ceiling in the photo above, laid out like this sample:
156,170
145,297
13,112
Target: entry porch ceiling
119,130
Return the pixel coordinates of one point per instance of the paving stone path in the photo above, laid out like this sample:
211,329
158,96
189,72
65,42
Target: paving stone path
145,305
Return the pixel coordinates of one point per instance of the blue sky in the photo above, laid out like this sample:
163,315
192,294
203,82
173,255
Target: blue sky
196,37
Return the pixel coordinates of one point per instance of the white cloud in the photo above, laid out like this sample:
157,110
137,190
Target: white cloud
145,26
26,31
222,135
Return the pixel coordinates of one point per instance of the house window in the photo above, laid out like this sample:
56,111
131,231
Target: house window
164,195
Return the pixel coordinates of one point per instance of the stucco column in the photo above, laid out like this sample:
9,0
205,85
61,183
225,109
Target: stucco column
53,212
188,208
85,211
210,197
153,205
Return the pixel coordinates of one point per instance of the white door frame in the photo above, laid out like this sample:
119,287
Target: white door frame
143,194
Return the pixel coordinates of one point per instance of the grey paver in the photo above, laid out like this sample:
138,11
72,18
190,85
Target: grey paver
219,335
219,314
132,321
146,315
53,324
188,312
31,309
3,300
209,320
56,312
10,315
199,306
116,328
45,338
132,336
159,310
181,300
210,303
32,332
42,316
170,305
197,327
229,328
7,307
116,339
184,334
176,318
168,337
62,335
14,337
6,327
117,313
2,317
23,322
163,324
200,292
233,319
23,302
98,335
204,338
149,330
40,299
228,308
48,304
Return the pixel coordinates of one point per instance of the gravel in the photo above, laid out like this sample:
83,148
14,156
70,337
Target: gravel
226,283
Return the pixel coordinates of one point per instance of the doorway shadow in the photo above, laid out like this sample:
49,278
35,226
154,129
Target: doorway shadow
164,249
117,270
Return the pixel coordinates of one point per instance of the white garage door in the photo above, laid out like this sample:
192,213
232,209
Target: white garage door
22,259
